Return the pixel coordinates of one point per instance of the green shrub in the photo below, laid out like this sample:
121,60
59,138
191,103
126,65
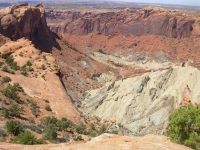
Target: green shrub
30,69
10,61
114,132
78,138
35,112
34,108
48,120
52,120
92,134
11,91
44,57
43,77
24,73
48,108
184,126
23,68
13,127
14,66
28,63
21,54
63,124
81,129
46,101
102,129
92,126
1,64
5,69
43,67
5,112
50,132
28,139
15,110
6,79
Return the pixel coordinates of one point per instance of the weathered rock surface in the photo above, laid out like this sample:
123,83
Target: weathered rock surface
106,141
143,103
26,21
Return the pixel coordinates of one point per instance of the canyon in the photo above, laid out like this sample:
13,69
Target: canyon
127,70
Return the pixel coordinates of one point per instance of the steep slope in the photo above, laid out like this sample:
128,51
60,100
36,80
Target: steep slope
143,103
43,84
78,72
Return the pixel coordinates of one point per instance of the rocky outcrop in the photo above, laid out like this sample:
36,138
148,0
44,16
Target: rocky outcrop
143,103
157,21
26,21
107,141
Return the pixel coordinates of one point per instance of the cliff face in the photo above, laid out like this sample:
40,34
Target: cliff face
67,16
25,21
56,19
174,24
147,31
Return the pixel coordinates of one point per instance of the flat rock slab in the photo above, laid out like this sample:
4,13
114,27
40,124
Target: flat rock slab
107,142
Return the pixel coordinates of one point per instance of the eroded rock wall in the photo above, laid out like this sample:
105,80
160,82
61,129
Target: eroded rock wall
143,104
25,21
174,24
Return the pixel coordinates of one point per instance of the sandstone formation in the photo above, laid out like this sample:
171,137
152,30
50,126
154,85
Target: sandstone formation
107,141
26,21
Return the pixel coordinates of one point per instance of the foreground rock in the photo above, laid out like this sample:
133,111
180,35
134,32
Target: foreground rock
106,141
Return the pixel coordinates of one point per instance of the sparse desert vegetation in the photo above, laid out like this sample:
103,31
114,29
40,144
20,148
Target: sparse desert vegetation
17,104
91,73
